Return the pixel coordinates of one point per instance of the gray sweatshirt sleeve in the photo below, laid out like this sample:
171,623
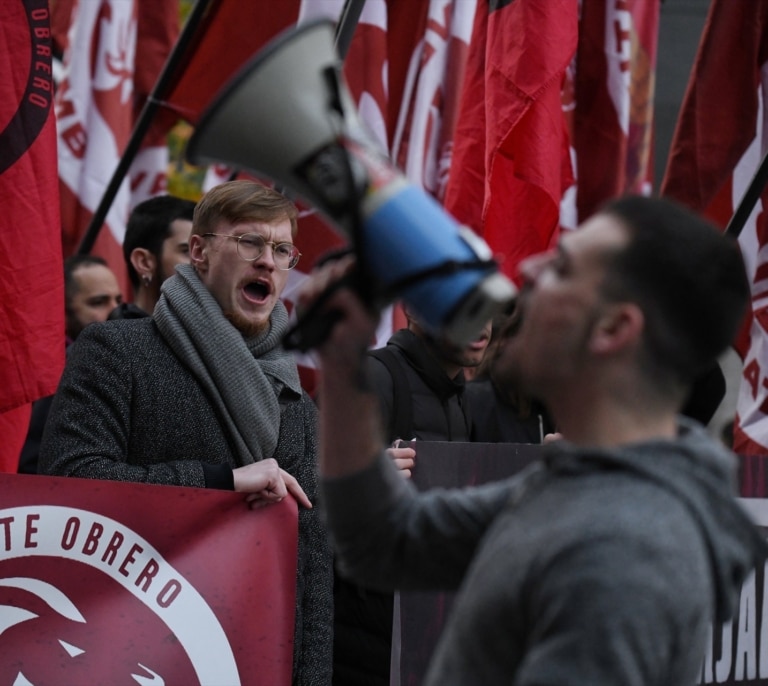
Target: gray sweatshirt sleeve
387,535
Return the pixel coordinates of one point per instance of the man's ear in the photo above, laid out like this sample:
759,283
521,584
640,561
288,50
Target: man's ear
144,262
618,327
197,252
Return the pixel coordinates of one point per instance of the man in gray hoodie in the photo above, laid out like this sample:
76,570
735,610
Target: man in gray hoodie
606,562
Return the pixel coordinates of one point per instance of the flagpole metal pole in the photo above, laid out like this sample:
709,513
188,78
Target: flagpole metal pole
345,29
143,123
749,200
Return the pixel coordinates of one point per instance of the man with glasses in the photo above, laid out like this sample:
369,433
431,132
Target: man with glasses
203,394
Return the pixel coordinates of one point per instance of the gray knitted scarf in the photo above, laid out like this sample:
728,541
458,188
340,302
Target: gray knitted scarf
243,377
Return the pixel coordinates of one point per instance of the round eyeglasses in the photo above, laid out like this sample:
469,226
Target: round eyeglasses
250,247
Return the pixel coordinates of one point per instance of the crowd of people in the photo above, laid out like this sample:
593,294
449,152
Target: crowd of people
602,563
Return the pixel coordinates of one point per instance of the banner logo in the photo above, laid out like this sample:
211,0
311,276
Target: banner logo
86,558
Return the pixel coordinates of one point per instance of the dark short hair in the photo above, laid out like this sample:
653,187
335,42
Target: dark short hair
149,224
71,265
242,201
687,277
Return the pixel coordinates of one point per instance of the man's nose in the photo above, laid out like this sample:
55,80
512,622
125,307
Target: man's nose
267,257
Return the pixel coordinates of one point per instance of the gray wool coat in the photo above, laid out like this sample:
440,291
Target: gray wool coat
128,409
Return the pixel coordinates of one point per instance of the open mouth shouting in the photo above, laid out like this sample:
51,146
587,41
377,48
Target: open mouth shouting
480,342
258,291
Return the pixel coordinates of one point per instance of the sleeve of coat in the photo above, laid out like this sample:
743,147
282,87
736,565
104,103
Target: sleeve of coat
314,607
88,428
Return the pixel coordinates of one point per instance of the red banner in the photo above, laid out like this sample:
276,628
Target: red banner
712,161
31,276
114,583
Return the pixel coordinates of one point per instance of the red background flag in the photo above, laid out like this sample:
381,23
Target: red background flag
612,119
230,33
718,144
510,163
102,89
31,276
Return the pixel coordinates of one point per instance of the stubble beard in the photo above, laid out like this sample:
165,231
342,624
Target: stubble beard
245,326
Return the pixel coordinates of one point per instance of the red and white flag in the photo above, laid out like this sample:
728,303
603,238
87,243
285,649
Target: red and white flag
510,163
609,103
718,144
403,68
104,582
31,276
96,107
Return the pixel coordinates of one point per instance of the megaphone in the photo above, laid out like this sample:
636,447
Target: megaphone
288,115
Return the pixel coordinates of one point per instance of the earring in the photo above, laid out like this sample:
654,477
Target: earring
146,279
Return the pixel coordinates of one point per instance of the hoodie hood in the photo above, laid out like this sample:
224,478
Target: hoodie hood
702,475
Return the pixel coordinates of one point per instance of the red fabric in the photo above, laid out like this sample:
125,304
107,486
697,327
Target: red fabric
31,276
230,34
509,167
14,425
708,143
61,18
718,143
103,89
188,584
613,115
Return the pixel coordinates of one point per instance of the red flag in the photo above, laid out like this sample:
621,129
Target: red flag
718,144
230,33
612,119
104,583
510,164
96,105
156,33
31,276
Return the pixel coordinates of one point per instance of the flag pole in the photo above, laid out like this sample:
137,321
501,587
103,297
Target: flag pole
143,123
749,200
345,29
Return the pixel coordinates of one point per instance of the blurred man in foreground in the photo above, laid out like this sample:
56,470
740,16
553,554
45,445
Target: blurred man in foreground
606,562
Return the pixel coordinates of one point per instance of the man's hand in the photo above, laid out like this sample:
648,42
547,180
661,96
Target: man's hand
356,328
266,483
404,459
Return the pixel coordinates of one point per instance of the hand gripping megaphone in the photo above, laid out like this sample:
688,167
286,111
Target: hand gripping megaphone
288,115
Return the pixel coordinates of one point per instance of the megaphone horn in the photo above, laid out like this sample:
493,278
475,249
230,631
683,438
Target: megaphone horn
288,115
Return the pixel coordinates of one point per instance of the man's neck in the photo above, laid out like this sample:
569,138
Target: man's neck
145,300
607,422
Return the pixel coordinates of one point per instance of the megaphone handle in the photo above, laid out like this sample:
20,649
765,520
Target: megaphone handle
315,325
